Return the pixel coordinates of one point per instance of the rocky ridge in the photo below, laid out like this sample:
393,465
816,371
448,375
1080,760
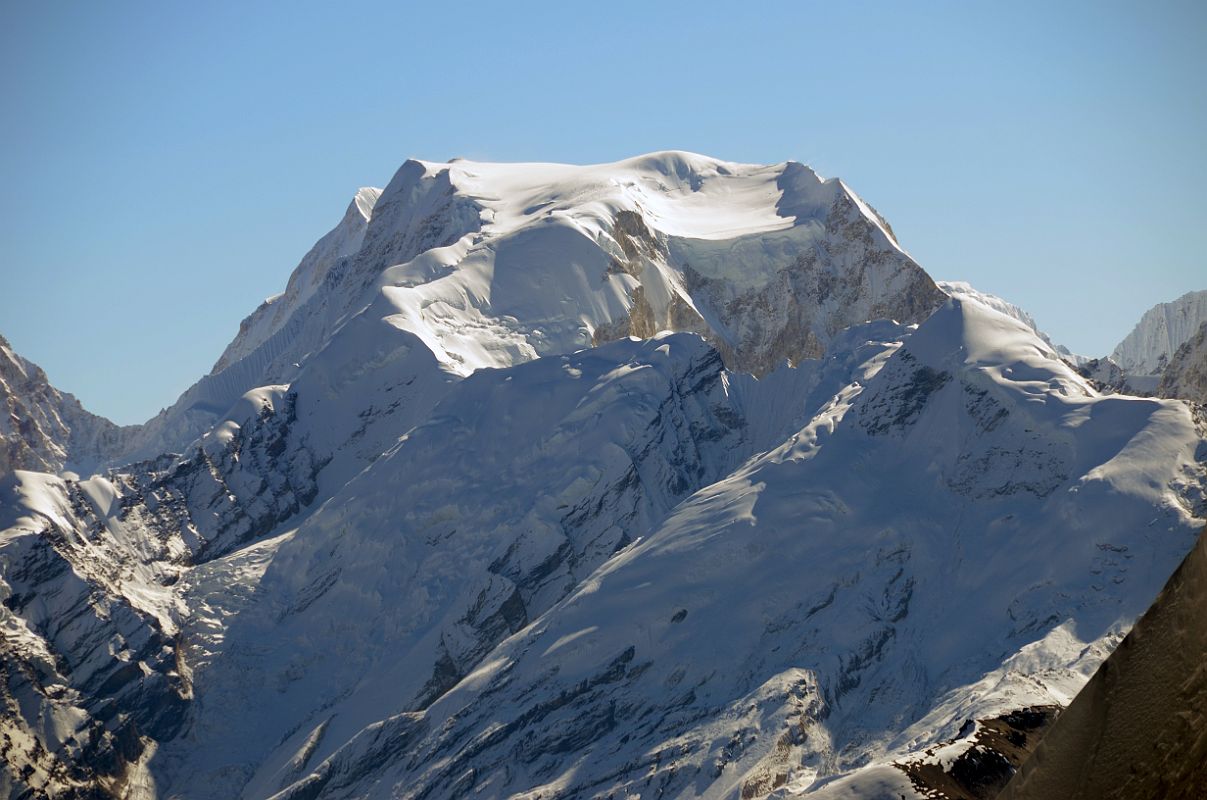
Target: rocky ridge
47,430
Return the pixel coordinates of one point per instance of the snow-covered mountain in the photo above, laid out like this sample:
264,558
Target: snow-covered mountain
47,430
494,264
1159,333
669,476
1163,356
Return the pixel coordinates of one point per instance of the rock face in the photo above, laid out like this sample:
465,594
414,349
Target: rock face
999,746
436,524
1138,729
90,676
44,429
1148,349
1186,375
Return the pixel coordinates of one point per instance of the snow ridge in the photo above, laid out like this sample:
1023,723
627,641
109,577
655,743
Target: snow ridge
342,241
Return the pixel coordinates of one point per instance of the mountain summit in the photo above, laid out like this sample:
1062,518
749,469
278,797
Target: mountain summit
490,265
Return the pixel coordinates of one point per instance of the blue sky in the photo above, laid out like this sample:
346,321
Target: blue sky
165,165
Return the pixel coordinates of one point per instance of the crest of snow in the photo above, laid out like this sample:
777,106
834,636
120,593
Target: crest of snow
966,291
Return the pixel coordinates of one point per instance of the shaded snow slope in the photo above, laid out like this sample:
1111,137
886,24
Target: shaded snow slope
1138,729
94,673
1159,333
967,530
342,241
521,484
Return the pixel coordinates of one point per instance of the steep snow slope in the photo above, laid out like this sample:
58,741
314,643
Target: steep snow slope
518,487
342,241
965,291
44,429
93,674
1159,333
969,530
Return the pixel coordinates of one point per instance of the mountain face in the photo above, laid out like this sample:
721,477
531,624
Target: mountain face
665,477
1186,375
342,241
47,430
1148,349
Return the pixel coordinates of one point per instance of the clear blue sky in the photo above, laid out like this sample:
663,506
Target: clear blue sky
165,165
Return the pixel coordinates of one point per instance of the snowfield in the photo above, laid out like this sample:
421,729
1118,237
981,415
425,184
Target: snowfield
665,478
